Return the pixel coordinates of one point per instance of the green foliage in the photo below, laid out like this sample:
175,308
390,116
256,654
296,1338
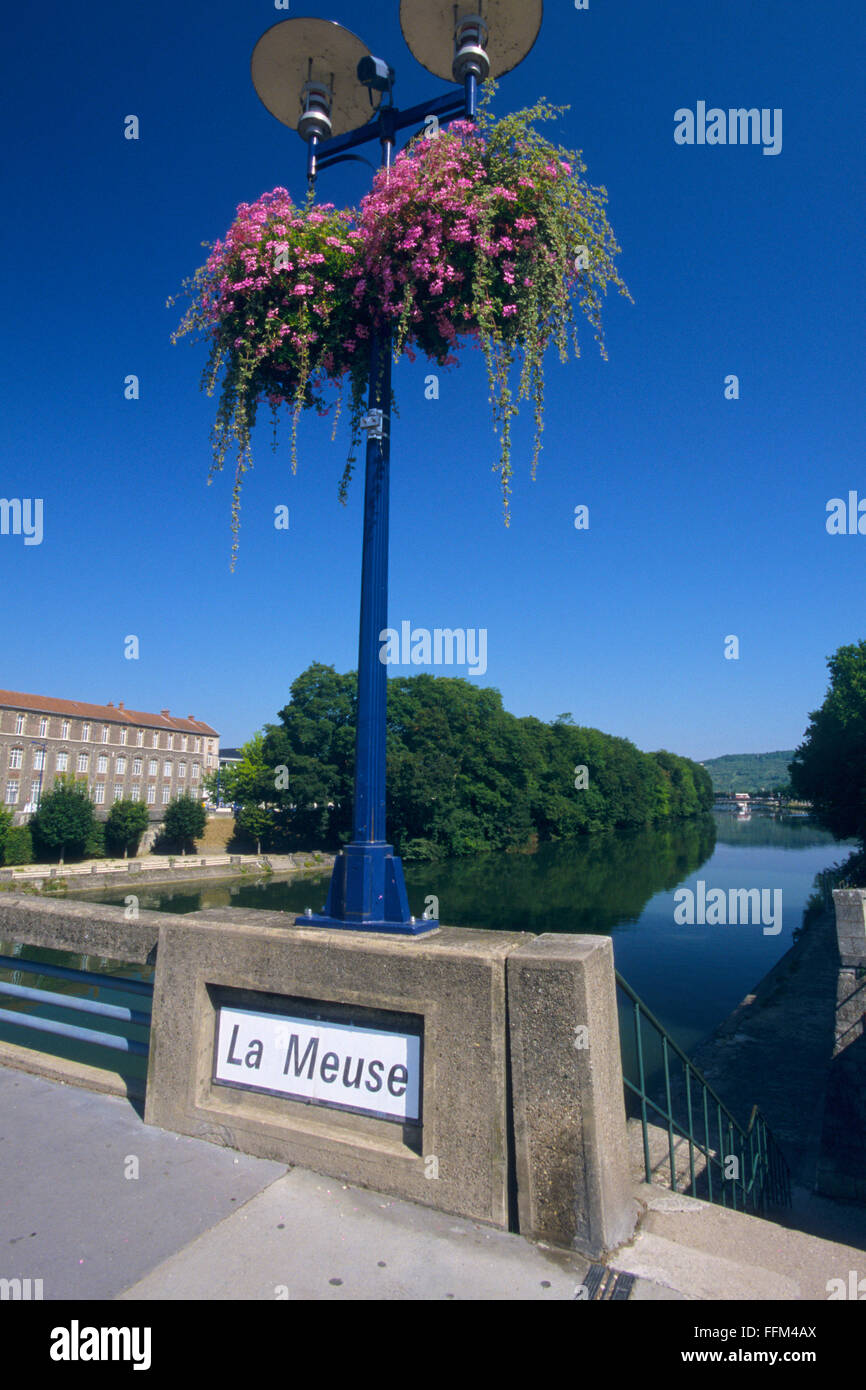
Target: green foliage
829,767
127,822
258,787
251,780
64,821
185,820
464,775
5,827
315,741
750,772
95,846
256,823
18,845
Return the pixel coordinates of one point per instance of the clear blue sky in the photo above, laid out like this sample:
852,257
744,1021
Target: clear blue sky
707,516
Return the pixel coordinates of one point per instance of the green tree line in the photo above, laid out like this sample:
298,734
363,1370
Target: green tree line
464,775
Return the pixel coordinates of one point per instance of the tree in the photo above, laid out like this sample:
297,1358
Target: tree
5,827
257,822
127,822
18,848
315,743
184,822
464,775
829,767
251,780
64,820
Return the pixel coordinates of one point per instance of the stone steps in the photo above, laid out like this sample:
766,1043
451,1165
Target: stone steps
703,1251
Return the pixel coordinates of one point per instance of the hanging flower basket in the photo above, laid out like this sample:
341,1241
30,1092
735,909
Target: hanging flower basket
275,301
487,232
483,235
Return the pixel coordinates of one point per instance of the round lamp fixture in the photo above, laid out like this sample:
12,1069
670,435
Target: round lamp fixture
306,73
480,38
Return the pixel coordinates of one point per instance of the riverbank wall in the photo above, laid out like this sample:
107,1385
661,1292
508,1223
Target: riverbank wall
794,1047
149,873
842,1162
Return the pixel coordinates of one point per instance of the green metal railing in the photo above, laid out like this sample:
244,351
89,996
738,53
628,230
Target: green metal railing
742,1168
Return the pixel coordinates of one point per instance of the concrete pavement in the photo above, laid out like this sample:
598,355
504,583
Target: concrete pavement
99,1206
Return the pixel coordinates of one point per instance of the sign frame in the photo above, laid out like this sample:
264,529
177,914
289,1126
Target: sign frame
300,1009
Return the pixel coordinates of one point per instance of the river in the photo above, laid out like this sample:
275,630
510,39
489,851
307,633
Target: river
621,884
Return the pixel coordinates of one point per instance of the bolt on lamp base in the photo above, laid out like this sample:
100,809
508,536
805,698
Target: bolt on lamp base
368,893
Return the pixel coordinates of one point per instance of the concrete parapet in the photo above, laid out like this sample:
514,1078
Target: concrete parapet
451,984
850,906
841,1168
87,929
573,1180
521,1121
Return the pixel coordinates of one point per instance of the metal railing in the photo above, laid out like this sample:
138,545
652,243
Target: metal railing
737,1167
119,1013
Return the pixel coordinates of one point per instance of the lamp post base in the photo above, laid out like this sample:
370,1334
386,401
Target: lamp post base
368,893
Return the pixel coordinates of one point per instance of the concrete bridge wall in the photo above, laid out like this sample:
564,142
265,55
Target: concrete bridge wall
522,1118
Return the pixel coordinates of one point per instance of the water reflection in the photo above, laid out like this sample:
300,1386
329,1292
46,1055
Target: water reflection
621,883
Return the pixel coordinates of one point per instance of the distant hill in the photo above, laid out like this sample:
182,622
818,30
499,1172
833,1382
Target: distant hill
749,772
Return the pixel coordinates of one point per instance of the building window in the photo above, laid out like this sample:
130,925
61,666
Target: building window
102,763
151,795
171,740
62,762
99,793
184,742
19,723
139,737
152,768
118,791
15,755
198,745
43,728
64,729
136,791
105,733
120,766
35,790
39,759
166,769
156,740
85,733
123,735
82,762
196,769
11,793
181,771
136,767
166,795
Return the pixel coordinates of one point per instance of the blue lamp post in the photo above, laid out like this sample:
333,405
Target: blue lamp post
318,78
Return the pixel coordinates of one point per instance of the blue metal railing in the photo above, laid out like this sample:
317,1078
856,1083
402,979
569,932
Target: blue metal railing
742,1167
119,1013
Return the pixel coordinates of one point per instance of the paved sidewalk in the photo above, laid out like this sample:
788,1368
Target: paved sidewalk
203,1222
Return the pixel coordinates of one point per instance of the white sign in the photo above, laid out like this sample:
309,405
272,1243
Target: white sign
324,1063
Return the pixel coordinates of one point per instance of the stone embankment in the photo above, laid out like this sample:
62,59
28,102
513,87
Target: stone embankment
153,870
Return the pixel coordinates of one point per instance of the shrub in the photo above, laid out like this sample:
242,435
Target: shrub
95,846
127,822
185,821
18,845
64,820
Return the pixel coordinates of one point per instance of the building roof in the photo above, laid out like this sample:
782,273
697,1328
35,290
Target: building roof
231,755
110,713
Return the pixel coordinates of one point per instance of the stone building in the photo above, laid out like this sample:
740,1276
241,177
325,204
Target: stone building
122,753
